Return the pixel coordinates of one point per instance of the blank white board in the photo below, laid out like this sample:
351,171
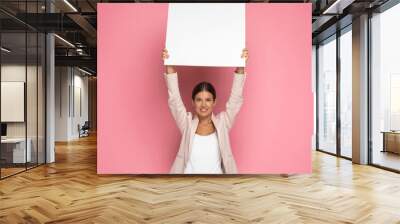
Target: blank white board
12,101
206,34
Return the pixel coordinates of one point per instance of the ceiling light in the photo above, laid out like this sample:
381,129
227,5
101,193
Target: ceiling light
84,71
5,50
70,5
64,40
338,6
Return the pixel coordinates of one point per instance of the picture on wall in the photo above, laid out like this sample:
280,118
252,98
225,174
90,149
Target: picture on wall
12,100
205,88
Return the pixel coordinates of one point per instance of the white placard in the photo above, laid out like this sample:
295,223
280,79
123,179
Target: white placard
206,34
12,101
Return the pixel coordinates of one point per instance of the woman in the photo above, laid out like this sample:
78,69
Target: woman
205,146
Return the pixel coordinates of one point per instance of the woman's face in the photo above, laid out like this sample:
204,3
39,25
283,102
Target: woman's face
204,103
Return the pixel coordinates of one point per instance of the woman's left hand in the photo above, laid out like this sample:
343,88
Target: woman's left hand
245,56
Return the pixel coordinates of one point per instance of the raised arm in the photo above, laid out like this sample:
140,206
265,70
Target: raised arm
175,103
235,100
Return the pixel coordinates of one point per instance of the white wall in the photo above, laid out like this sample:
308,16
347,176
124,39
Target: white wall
33,127
62,81
10,73
71,93
15,72
81,84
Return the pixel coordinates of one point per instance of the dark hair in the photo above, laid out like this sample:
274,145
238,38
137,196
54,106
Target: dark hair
204,86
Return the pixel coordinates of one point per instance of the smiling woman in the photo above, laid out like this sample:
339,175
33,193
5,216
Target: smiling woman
205,145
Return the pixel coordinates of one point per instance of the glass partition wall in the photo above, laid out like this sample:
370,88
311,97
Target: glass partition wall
327,95
334,93
22,88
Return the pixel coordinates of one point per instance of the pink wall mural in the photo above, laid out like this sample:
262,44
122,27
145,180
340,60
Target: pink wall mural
136,132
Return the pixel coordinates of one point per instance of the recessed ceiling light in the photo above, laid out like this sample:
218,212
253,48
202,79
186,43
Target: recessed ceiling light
338,6
84,71
5,50
64,40
70,5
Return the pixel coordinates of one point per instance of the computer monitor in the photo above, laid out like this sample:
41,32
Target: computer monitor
3,129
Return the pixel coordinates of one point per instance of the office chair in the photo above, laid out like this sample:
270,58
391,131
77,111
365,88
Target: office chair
84,130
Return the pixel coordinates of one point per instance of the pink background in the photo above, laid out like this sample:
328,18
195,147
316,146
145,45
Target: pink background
137,134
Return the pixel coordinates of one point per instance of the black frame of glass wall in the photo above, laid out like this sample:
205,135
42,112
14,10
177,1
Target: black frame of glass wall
336,36
40,38
387,5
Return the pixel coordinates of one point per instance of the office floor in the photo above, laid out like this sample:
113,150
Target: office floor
10,171
7,171
70,191
387,159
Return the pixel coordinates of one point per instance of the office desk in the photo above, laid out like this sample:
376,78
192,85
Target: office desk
13,150
391,141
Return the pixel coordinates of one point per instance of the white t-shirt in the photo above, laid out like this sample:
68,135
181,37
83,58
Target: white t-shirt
205,157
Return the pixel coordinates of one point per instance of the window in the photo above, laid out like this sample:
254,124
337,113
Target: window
327,95
385,88
346,74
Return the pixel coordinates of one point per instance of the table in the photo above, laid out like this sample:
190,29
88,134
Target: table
15,148
391,141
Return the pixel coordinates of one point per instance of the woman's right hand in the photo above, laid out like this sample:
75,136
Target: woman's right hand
169,68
